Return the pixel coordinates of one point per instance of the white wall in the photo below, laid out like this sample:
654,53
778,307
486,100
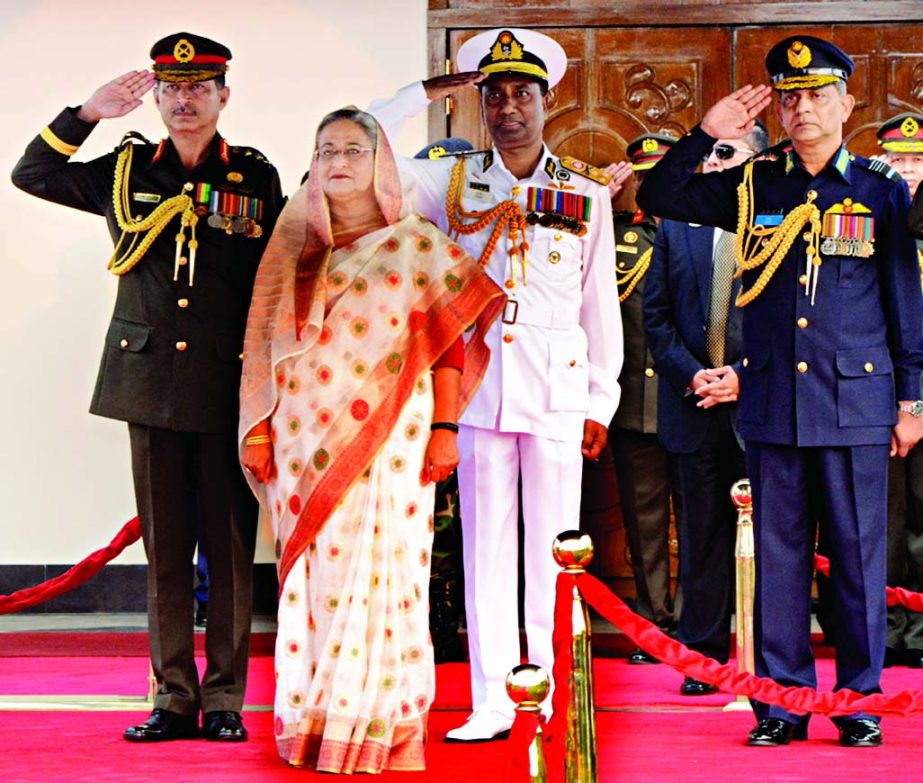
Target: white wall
65,481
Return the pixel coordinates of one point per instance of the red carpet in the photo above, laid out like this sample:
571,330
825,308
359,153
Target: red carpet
646,731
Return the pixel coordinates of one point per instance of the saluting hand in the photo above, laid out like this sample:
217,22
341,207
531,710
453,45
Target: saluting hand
444,86
732,117
118,97
620,173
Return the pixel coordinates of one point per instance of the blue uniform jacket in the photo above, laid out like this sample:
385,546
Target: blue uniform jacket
676,302
828,374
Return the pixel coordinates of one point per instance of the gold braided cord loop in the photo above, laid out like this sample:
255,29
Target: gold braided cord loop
758,245
633,276
507,214
153,224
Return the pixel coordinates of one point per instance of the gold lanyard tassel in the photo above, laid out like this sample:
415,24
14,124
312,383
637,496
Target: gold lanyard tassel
507,215
151,226
759,245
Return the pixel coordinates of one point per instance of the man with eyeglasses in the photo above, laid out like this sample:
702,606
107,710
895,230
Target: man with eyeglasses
190,218
901,141
645,473
542,227
832,330
693,331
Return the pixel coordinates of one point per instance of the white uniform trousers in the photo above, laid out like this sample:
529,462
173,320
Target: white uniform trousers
488,481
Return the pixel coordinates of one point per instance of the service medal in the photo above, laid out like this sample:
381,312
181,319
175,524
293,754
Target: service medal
215,220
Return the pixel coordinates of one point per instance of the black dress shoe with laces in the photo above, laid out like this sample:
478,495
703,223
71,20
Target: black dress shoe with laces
163,726
638,656
224,726
770,732
694,687
860,733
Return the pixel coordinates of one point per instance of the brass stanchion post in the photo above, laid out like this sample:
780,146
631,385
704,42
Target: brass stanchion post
746,584
573,551
528,685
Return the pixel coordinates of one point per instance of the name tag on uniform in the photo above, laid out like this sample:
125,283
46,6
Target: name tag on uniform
147,198
478,191
768,219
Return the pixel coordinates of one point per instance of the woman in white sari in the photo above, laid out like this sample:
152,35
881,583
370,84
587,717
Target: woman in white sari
350,396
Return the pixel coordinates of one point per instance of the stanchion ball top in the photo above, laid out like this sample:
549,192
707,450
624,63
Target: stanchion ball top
573,550
740,493
528,684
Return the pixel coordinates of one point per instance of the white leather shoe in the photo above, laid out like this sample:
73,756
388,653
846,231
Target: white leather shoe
482,726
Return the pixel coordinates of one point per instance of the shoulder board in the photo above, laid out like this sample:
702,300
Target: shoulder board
250,152
584,170
880,167
133,137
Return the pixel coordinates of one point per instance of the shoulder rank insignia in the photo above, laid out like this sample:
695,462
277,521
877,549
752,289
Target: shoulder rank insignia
488,160
585,170
848,229
885,169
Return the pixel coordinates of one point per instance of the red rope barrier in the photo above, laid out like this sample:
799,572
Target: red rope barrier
82,572
800,700
521,736
895,596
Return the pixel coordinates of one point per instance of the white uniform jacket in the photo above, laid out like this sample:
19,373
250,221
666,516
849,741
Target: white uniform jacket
557,354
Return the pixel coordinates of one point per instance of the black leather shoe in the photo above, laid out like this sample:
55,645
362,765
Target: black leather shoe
860,733
163,726
224,726
912,658
638,656
771,732
694,687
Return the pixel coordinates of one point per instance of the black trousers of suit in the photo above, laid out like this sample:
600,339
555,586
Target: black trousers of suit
179,478
905,546
647,478
708,533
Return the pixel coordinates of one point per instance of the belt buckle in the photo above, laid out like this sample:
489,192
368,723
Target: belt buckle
510,319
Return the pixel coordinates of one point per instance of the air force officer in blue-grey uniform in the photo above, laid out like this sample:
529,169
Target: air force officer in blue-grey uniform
832,350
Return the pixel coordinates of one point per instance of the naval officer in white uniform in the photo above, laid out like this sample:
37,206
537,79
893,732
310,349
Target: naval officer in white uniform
550,389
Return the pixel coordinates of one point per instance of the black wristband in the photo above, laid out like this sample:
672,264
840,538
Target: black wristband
443,425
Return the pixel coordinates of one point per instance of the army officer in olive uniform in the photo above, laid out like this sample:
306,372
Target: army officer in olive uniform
190,218
642,465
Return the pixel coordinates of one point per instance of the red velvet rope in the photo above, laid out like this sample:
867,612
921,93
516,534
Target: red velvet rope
799,700
85,570
895,596
521,736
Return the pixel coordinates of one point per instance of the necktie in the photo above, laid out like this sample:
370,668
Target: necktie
722,281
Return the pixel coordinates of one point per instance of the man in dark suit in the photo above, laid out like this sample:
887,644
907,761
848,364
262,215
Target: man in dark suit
190,218
832,359
693,331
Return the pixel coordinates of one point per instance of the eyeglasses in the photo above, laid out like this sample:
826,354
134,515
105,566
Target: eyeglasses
329,154
727,151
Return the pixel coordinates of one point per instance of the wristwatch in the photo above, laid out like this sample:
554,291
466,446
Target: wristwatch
914,408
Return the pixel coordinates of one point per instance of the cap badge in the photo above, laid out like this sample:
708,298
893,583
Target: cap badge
436,152
183,51
799,55
649,145
910,127
506,48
